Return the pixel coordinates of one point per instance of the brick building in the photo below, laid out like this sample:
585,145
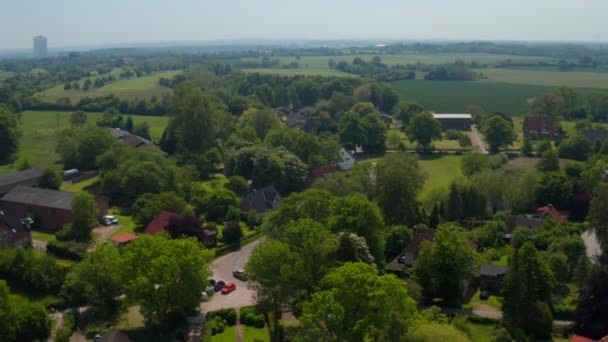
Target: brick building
50,209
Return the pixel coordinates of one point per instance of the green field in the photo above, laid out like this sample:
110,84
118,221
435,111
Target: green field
229,335
41,130
574,79
481,332
140,87
301,71
446,96
5,74
441,172
255,334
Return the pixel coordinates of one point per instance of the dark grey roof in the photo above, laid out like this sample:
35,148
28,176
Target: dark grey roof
40,197
514,221
19,177
491,270
261,200
131,139
596,134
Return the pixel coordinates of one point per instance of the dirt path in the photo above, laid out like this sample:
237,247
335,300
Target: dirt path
239,332
478,141
39,244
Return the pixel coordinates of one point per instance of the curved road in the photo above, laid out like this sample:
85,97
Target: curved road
222,270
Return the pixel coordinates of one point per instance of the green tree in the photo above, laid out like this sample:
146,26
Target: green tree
527,289
423,129
397,238
7,318
238,185
435,332
549,162
554,188
219,201
232,233
356,303
129,124
407,110
262,121
97,279
32,322
526,148
9,134
78,118
85,212
271,270
155,269
375,142
394,139
454,207
399,180
51,179
142,129
148,205
472,163
352,131
444,264
307,91
549,104
598,215
498,132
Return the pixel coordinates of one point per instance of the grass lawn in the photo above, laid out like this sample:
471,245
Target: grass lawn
481,332
127,225
441,172
41,130
76,187
229,335
139,87
526,163
252,334
43,236
568,126
492,301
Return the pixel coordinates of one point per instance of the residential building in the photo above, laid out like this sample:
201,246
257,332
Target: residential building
491,277
347,160
596,134
535,219
261,200
131,139
320,172
540,127
459,122
50,209
14,231
40,47
161,222
30,177
410,252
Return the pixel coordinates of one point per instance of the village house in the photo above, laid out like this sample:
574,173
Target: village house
261,200
131,139
30,177
540,127
50,209
410,252
596,134
14,231
459,122
534,220
491,277
347,160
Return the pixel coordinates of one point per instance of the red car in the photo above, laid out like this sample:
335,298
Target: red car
229,288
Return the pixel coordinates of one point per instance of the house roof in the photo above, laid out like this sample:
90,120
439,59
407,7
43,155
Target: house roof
540,124
160,222
261,200
452,116
514,221
40,197
596,134
209,232
123,238
551,211
131,139
491,270
19,177
426,234
578,338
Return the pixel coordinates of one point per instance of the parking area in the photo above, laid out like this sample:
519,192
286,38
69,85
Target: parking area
222,270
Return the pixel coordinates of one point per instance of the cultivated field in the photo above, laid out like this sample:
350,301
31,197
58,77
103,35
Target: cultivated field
574,79
301,71
5,74
41,130
140,87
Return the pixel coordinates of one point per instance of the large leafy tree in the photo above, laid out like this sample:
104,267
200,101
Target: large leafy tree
375,134
261,120
445,264
9,134
85,211
165,277
97,279
7,324
598,215
554,188
423,129
51,179
352,130
147,206
592,309
498,132
527,290
356,303
357,214
399,180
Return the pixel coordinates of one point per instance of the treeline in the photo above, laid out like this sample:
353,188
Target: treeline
458,71
571,104
374,69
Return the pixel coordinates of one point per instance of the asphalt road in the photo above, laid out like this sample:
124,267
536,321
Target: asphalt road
222,270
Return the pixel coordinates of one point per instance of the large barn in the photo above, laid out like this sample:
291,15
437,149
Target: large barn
460,122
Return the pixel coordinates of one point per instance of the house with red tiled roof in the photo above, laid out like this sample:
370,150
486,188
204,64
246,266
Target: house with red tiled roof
579,338
549,211
540,127
161,222
123,239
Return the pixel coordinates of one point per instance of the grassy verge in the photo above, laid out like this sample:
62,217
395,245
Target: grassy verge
441,170
43,236
76,187
493,301
480,332
229,335
252,334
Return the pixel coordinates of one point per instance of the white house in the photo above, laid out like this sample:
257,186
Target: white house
347,160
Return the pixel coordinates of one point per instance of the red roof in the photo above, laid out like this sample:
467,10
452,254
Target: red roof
425,234
577,338
160,222
123,238
550,210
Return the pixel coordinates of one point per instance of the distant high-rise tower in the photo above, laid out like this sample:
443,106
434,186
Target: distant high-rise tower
40,47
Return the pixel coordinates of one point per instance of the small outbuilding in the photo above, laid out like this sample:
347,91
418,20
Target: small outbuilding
123,239
459,122
490,277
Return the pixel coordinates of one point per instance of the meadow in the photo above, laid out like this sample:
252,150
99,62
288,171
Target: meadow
40,132
441,172
143,87
574,79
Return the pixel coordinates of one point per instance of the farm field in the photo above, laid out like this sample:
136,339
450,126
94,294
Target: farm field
5,74
441,171
301,71
139,87
574,79
41,130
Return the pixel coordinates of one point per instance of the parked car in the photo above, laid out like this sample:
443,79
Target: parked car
401,259
229,288
240,275
219,285
485,294
108,220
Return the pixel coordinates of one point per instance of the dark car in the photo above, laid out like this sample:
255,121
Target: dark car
485,294
240,275
211,282
401,259
219,285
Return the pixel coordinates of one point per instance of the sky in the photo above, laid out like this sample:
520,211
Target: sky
73,23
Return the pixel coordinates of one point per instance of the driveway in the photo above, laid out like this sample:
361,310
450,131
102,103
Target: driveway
477,140
222,270
592,246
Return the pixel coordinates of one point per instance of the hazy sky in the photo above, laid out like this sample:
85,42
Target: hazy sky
97,22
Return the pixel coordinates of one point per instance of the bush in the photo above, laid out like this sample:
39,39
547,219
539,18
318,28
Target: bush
68,250
217,325
452,134
226,315
250,317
